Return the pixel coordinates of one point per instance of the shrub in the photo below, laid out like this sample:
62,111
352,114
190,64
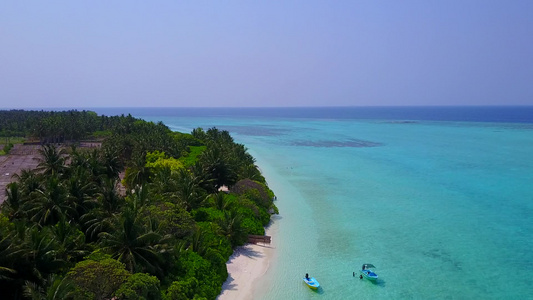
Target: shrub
200,280
139,286
98,279
7,148
259,193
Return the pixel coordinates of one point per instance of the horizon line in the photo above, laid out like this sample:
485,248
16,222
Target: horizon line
266,107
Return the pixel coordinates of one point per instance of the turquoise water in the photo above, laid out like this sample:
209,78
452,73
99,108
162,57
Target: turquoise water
443,209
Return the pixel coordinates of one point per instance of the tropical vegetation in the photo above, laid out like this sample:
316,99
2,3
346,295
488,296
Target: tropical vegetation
141,217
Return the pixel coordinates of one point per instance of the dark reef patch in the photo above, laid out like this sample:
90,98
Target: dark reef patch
402,122
254,130
351,143
444,256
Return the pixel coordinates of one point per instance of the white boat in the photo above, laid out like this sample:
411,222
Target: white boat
367,273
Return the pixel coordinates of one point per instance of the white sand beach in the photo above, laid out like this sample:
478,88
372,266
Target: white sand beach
247,264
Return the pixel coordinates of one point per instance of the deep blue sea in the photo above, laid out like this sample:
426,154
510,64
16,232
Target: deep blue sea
439,199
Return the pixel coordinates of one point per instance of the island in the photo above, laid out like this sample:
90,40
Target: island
115,207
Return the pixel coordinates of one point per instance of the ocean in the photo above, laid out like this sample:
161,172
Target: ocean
439,199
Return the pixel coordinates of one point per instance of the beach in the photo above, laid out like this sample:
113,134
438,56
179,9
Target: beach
250,262
438,197
246,265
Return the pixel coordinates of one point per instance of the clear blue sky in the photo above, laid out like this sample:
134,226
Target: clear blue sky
265,53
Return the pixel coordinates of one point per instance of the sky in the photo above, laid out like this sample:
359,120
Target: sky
56,54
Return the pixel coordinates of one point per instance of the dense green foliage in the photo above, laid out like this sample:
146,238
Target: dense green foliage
68,231
52,126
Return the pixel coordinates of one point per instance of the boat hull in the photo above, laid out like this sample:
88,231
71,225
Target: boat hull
312,283
369,275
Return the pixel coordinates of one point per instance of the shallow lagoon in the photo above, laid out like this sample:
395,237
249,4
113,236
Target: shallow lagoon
439,207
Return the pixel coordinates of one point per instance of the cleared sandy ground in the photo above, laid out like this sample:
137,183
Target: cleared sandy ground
21,157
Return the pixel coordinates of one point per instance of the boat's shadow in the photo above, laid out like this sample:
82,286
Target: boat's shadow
379,282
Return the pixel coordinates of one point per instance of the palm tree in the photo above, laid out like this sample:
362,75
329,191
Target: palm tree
198,133
108,197
189,193
52,160
250,171
39,248
29,181
53,288
94,222
70,241
103,209
112,163
222,201
94,165
138,198
80,190
231,228
215,162
201,178
74,155
134,243
198,242
8,250
48,205
164,183
13,202
138,173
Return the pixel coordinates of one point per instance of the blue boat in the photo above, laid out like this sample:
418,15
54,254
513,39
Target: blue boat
367,273
311,282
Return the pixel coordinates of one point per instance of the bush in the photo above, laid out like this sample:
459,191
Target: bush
139,286
199,280
259,193
172,219
158,160
7,148
207,214
98,279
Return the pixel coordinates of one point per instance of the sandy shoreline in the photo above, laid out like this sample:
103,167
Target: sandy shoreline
247,264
